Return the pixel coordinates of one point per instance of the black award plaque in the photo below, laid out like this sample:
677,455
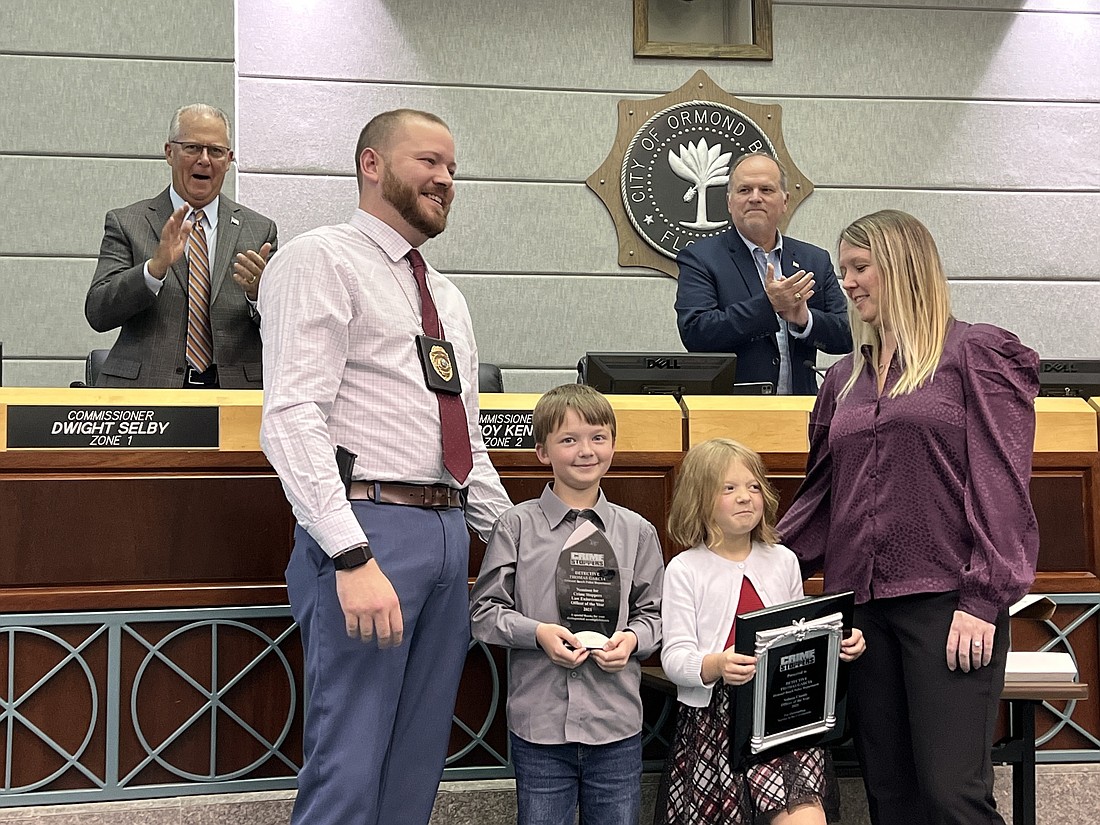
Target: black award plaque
588,586
797,698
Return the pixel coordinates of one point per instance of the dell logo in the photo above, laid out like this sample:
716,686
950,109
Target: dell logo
1059,366
662,363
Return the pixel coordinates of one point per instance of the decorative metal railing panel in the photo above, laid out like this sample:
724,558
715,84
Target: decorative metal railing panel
124,705
121,705
1074,629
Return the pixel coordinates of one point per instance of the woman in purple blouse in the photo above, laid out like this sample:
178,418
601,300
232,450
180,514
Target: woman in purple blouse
916,498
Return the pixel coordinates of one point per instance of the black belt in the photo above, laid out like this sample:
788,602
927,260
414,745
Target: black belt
207,378
433,496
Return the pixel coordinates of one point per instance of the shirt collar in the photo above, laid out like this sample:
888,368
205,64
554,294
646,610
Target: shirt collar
389,240
556,510
778,250
210,211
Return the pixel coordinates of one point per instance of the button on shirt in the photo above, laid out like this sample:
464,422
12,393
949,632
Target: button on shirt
515,592
762,258
341,312
927,492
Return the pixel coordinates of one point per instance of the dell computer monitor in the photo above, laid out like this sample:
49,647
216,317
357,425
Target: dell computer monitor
1069,378
660,373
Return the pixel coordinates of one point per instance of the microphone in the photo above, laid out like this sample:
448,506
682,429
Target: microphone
820,373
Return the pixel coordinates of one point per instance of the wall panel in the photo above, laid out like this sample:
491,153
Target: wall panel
565,136
982,121
568,316
131,121
90,90
578,313
42,373
819,50
987,5
76,194
513,227
537,380
610,314
201,29
43,310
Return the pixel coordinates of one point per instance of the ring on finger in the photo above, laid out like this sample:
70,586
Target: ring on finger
798,296
976,644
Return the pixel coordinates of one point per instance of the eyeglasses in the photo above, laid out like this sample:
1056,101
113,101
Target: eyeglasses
194,150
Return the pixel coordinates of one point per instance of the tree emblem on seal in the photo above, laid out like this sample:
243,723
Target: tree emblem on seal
704,167
690,136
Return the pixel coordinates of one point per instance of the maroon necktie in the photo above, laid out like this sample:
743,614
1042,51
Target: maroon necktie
457,457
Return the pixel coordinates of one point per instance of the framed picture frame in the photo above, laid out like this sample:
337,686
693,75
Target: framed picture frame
798,697
716,29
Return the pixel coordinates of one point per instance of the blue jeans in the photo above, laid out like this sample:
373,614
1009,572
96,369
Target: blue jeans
606,781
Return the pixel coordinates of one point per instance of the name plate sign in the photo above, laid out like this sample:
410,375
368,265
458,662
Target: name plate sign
112,427
507,429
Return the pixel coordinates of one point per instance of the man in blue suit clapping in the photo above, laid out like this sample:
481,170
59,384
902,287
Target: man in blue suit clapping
774,301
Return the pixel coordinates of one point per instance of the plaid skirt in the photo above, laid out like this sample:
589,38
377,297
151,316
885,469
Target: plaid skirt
700,787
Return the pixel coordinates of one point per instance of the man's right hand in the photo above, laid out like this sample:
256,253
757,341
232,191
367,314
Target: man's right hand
789,296
173,241
370,604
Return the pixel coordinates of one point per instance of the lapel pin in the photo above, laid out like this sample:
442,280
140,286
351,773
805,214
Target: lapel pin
234,221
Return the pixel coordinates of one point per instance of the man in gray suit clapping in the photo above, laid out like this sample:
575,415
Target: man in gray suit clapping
162,271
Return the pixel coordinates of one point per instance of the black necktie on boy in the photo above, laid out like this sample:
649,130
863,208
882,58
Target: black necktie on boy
574,515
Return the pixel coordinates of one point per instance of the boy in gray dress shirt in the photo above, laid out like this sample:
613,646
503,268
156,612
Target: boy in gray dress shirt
574,712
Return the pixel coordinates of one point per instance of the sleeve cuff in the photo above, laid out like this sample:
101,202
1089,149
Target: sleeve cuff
691,674
805,331
338,531
154,284
986,611
524,633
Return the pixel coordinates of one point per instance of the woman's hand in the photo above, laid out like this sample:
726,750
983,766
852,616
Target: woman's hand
852,647
969,642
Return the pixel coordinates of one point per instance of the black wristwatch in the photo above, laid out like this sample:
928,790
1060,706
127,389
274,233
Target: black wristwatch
353,557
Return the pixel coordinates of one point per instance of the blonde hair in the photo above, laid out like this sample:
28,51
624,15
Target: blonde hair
590,405
913,298
702,474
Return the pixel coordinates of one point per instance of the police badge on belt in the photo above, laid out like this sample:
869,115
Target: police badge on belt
437,358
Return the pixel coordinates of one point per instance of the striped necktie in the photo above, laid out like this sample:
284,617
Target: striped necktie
200,343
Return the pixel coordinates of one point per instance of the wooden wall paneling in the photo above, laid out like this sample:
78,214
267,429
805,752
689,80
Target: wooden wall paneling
1065,492
143,529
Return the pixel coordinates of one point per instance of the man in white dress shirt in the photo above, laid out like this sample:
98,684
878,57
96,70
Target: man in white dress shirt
378,583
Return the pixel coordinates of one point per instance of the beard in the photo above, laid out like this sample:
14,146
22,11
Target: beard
406,201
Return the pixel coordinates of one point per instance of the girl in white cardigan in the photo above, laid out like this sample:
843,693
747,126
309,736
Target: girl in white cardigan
724,510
